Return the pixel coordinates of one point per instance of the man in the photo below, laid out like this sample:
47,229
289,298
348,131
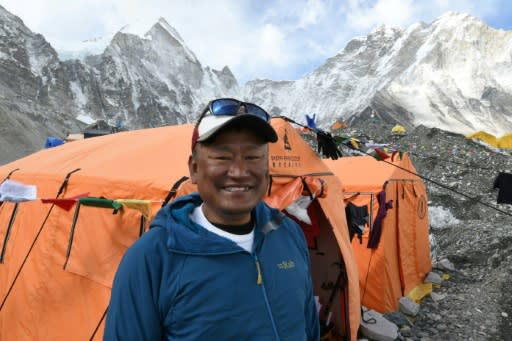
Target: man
218,264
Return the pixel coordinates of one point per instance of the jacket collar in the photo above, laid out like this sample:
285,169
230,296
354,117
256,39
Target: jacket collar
187,237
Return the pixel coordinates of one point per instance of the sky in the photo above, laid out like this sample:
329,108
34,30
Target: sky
265,39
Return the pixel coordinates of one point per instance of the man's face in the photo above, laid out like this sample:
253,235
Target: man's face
231,174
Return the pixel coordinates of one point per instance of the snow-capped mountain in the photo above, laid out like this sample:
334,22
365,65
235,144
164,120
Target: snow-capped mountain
454,74
146,81
34,95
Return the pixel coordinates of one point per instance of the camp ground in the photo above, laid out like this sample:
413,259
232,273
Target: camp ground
94,197
396,258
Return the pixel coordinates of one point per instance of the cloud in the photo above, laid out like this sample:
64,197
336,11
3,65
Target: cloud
312,13
363,17
271,45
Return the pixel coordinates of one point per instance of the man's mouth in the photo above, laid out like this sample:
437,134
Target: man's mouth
235,189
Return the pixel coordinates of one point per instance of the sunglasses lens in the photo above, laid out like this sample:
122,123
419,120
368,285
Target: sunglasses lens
257,111
228,106
225,107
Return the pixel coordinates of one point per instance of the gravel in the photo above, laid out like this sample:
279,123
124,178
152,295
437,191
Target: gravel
475,302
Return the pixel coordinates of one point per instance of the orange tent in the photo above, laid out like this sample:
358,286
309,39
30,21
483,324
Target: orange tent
57,265
338,125
402,257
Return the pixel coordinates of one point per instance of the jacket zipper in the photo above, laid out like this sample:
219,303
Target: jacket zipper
259,281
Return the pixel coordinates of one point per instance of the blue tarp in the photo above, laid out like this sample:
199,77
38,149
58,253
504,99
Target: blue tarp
53,142
311,121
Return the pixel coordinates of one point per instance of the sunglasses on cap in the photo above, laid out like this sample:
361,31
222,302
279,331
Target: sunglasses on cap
231,107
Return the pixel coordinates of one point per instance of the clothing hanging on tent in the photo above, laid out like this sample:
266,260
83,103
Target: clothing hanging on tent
357,218
504,183
376,231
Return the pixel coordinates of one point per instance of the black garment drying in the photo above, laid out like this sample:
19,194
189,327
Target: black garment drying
504,182
327,146
357,217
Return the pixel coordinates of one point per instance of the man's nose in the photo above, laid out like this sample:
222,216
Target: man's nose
238,167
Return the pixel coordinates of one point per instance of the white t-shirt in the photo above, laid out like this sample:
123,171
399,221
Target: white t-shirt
245,241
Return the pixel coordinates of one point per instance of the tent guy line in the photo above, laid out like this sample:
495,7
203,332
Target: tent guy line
406,170
448,188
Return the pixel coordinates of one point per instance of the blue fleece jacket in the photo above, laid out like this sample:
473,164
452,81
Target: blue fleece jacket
180,281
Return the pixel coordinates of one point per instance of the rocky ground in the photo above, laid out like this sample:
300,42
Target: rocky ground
475,303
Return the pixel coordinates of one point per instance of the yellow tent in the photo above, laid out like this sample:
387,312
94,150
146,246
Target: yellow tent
398,129
505,142
484,137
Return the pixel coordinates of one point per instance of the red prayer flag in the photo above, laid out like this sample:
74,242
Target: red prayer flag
65,203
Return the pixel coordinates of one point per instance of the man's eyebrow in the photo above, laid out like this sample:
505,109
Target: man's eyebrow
219,147
227,147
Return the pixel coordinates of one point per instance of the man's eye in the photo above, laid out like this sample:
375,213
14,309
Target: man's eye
253,157
222,158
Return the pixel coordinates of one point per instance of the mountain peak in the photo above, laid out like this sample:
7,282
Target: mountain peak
171,30
455,18
162,30
386,30
453,15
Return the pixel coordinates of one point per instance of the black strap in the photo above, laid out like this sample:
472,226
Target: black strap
65,182
8,231
173,190
98,325
306,188
142,226
9,175
72,233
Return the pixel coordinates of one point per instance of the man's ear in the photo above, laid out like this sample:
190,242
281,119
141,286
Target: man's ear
192,168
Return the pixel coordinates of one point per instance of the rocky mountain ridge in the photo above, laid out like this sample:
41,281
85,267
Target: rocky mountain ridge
452,74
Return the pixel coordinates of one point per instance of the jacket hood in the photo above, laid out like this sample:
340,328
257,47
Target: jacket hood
185,236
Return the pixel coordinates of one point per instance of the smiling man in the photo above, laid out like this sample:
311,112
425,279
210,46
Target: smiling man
210,268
